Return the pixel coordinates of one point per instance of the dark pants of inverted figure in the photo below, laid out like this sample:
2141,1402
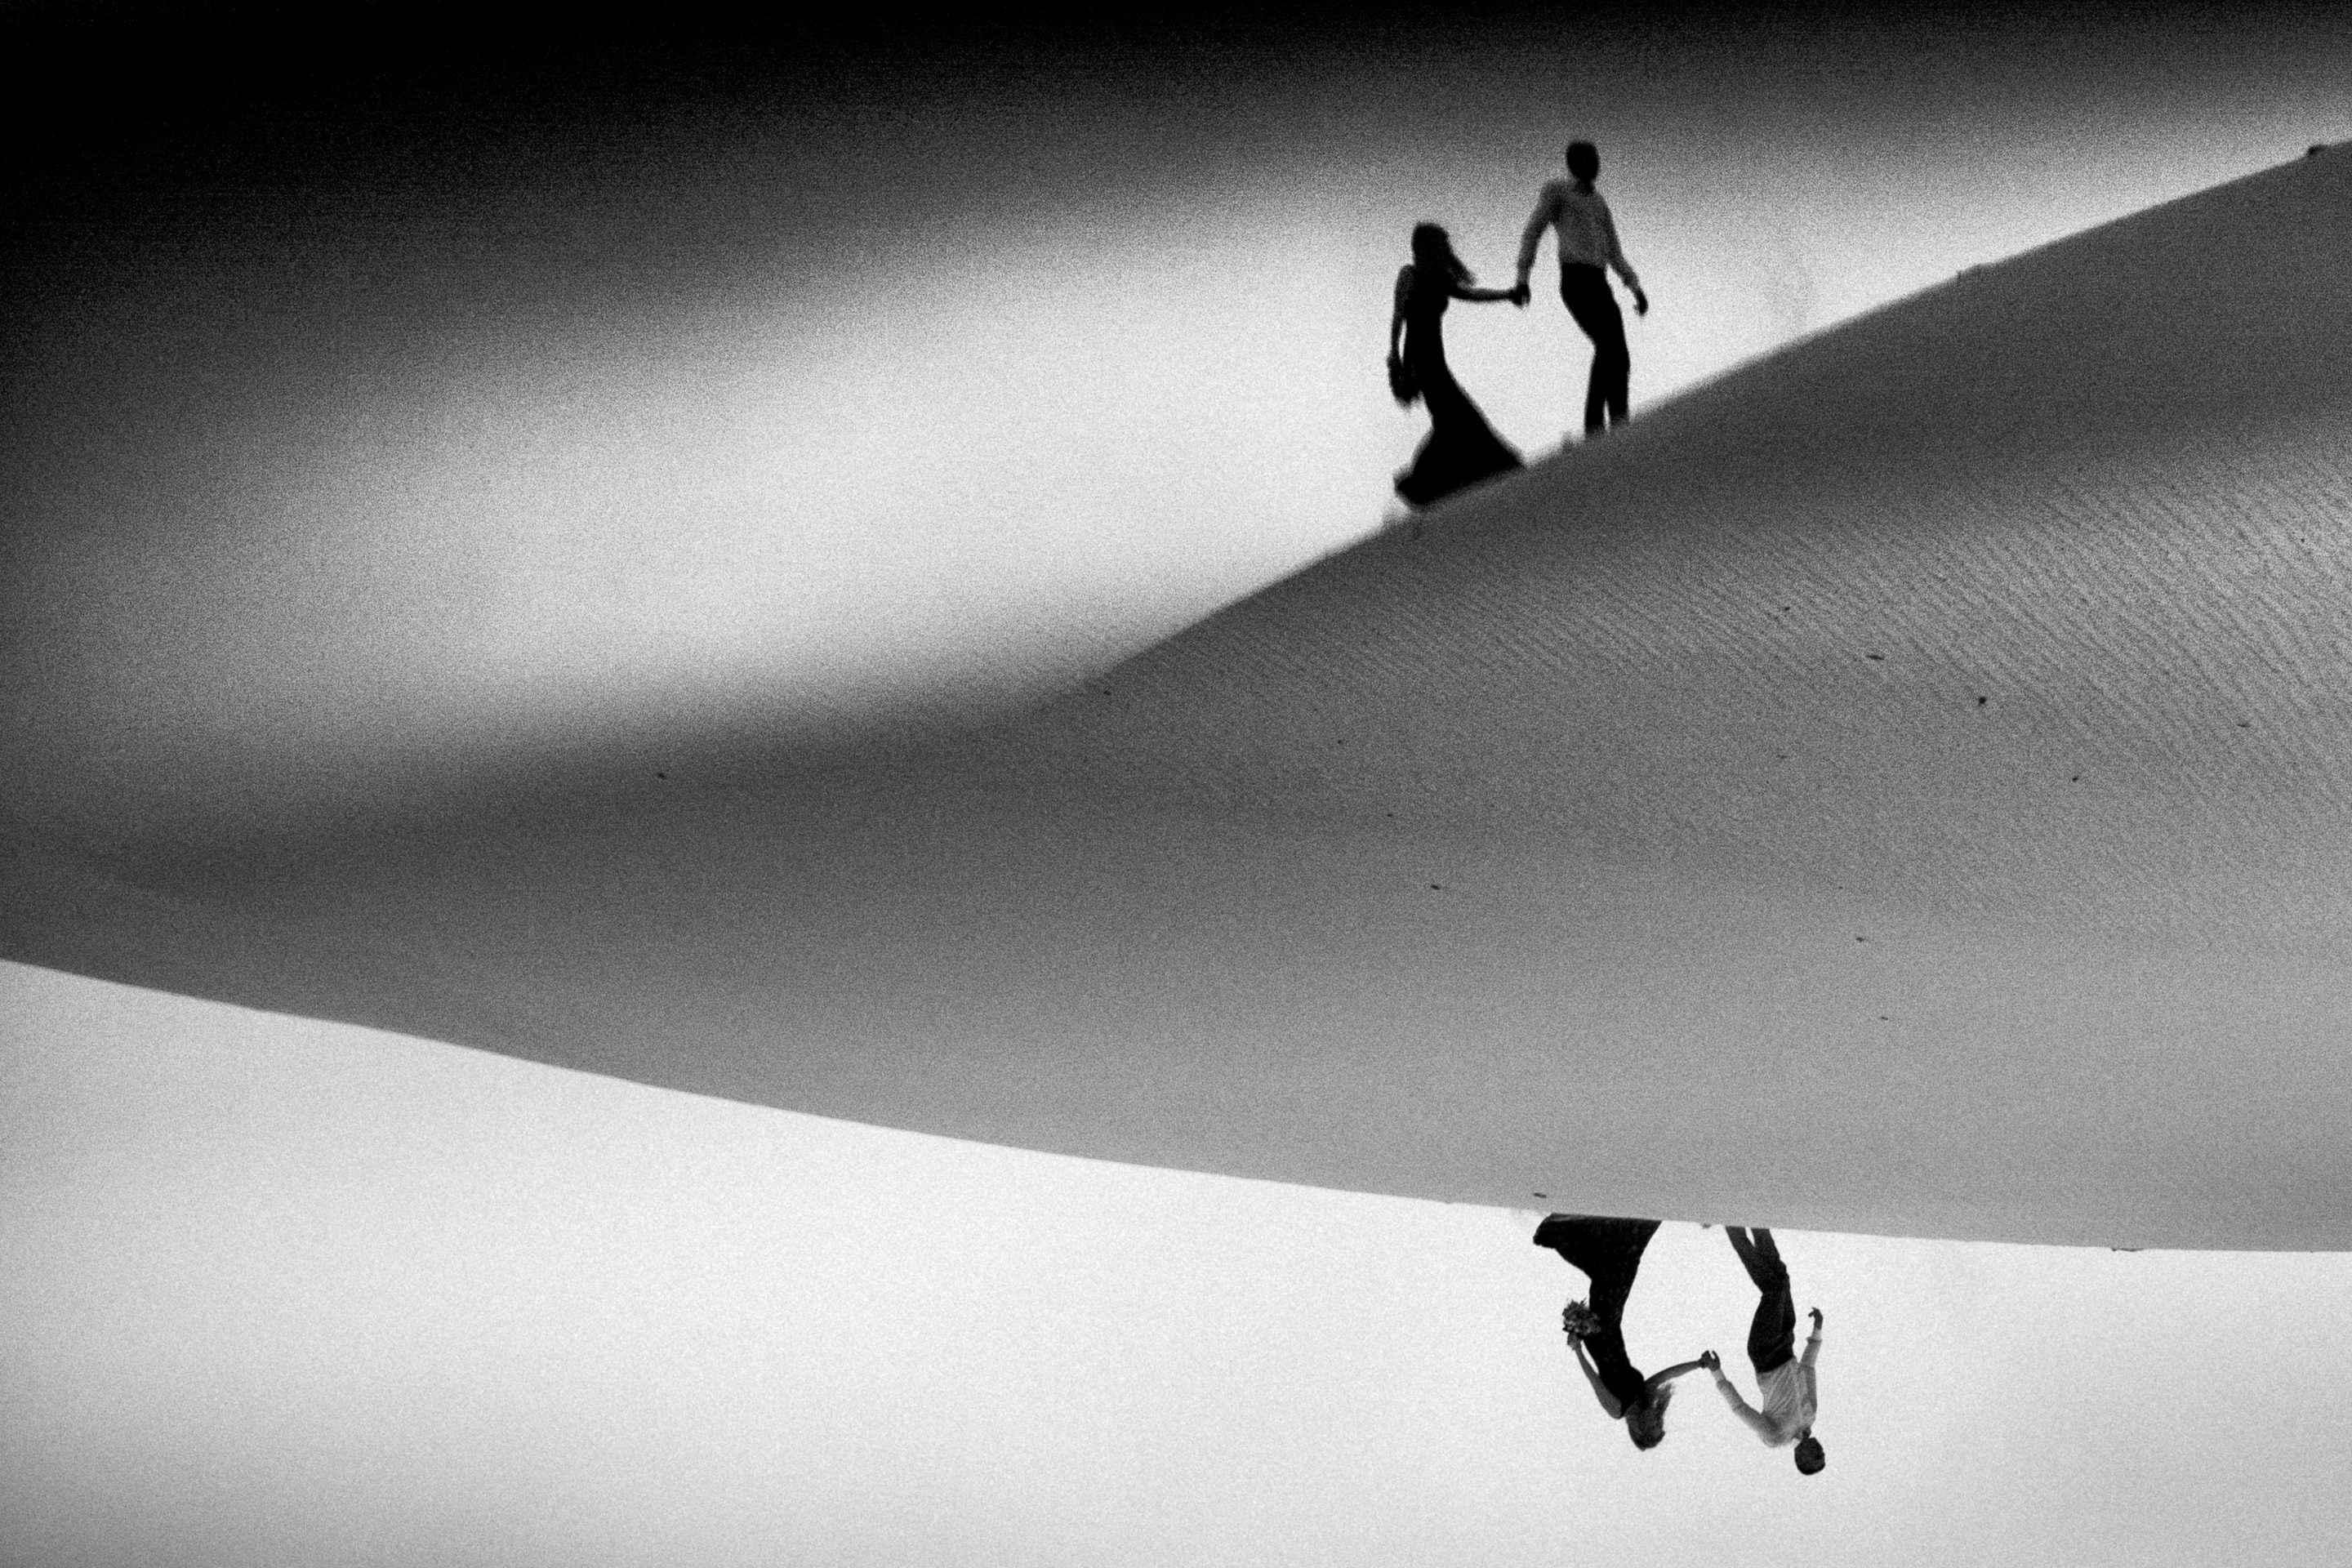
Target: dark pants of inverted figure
1584,290
1772,1335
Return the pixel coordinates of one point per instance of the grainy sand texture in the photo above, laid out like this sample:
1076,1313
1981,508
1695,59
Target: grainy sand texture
1899,786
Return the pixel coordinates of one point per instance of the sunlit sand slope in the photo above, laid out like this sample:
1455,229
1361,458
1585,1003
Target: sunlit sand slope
1899,787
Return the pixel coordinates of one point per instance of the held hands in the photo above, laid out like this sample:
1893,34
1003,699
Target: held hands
1521,294
1709,1360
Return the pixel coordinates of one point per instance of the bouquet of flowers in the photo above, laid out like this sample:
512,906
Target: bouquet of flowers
1578,1321
1404,385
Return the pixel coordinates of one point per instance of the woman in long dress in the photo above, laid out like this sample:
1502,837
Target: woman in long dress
1461,447
1609,1252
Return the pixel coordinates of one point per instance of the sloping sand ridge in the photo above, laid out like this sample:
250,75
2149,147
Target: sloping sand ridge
1899,787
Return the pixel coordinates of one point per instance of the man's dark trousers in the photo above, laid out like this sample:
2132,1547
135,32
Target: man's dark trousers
1584,290
1772,1335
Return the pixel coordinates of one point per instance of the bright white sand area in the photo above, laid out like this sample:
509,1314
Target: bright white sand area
288,1292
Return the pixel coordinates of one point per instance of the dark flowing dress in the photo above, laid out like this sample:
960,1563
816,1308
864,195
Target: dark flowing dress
1461,447
1609,1252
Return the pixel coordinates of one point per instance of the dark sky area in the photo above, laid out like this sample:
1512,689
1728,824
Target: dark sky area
148,97
536,160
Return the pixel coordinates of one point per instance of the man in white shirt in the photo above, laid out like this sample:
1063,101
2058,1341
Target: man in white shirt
1784,1384
1588,245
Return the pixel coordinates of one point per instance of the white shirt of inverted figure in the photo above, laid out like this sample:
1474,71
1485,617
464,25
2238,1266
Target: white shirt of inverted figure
1787,1394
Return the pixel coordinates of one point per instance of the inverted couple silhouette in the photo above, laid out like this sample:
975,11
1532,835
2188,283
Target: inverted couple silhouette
1609,1251
1461,449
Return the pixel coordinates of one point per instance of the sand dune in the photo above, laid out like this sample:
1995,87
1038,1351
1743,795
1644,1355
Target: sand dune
1899,787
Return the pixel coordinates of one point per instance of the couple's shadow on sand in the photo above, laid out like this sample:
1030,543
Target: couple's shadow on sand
1609,1251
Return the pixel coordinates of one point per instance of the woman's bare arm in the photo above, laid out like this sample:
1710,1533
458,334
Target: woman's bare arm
1659,1378
1599,1390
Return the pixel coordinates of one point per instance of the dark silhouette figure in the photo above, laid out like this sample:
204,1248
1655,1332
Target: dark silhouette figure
1588,247
1784,1384
1609,1253
1461,447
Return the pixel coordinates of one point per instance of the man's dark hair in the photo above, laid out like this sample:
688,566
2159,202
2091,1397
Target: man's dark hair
1583,160
1810,1458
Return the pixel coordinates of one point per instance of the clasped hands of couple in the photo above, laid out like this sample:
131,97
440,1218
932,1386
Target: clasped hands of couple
1520,294
1714,1363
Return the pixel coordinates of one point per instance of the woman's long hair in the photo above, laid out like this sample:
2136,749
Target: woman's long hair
1646,1422
1432,249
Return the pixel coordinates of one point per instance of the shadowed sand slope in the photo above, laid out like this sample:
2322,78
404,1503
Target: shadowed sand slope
1899,787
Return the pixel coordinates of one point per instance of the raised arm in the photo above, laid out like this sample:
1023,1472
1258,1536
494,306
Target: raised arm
1609,1404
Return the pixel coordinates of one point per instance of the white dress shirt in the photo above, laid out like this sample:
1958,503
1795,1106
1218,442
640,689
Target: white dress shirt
1587,233
1787,1394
